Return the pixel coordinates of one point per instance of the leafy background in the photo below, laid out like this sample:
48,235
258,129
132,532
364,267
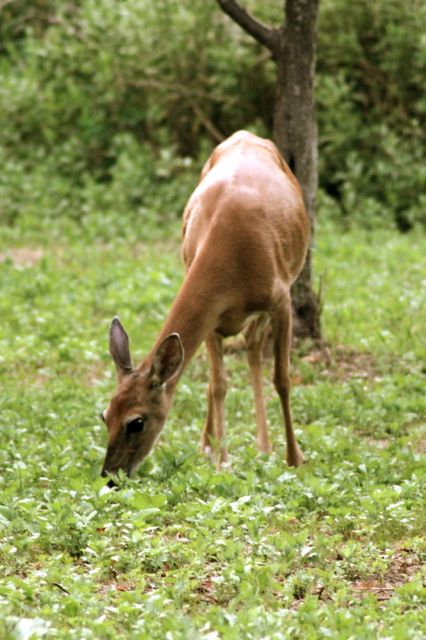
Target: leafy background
107,107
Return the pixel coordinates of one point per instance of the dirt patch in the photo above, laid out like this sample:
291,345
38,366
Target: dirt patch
404,566
41,380
95,373
378,444
106,589
421,447
22,257
336,362
341,363
206,591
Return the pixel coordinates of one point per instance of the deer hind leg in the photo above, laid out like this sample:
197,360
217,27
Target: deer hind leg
214,430
255,337
282,344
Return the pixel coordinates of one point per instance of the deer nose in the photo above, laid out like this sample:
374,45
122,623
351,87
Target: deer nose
111,483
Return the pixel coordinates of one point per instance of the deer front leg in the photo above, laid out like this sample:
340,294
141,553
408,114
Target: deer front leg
212,440
255,337
282,344
208,435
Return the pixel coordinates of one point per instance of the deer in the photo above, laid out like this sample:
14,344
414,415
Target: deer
245,239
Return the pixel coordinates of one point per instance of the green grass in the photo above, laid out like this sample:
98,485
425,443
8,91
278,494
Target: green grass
331,550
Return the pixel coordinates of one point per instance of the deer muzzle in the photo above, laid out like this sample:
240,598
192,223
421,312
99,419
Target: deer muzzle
113,462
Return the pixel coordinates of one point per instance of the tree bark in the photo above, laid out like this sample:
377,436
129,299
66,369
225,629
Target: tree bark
295,134
293,47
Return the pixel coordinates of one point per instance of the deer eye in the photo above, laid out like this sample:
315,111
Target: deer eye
135,426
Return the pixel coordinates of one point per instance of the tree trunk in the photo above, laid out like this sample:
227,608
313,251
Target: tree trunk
295,134
293,48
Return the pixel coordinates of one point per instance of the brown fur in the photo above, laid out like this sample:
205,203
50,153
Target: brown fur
245,238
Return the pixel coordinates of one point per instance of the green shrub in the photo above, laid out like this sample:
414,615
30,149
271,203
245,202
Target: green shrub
97,99
142,192
371,61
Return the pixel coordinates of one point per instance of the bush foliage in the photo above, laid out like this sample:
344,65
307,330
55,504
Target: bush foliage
109,108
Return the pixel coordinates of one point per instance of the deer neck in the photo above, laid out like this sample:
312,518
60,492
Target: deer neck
193,314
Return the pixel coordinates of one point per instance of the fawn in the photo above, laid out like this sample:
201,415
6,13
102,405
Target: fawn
245,239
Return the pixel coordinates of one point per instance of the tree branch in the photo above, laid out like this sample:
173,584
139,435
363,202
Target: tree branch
265,35
207,123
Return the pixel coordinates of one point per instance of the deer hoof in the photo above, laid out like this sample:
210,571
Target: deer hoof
296,459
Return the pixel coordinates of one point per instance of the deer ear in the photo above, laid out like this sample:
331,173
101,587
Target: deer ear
119,348
168,360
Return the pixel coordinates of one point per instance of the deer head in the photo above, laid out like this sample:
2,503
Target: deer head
138,409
